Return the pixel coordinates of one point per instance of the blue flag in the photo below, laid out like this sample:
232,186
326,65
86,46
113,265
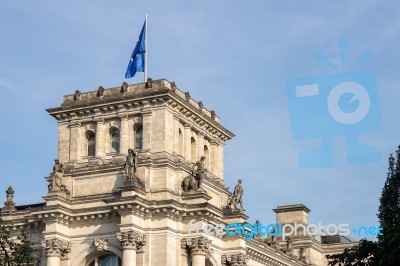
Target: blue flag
136,62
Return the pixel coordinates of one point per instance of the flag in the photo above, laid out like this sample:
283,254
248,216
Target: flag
136,62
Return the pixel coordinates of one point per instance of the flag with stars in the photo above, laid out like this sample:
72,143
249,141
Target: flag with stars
136,62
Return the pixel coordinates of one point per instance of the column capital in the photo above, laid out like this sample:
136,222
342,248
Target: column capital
55,247
197,245
237,259
131,240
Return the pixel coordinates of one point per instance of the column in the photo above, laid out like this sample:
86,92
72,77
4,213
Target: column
124,135
75,142
186,143
213,160
200,249
176,136
100,139
200,145
131,242
147,130
55,249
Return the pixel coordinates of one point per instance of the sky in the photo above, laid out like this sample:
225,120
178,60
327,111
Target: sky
237,58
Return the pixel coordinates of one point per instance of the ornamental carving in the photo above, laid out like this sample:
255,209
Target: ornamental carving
56,247
131,240
100,244
56,179
9,204
239,259
197,246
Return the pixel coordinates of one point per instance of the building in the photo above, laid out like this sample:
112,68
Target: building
106,206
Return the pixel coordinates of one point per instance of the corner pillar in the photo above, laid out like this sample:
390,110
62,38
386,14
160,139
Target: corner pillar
124,135
100,139
146,130
74,142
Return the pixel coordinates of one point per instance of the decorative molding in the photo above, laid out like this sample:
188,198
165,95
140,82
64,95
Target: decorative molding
131,240
100,244
238,259
56,247
197,246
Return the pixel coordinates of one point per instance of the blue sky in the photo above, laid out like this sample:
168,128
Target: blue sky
235,56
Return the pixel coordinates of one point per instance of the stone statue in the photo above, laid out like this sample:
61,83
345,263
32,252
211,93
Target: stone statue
55,182
237,196
9,204
130,165
199,171
130,168
189,183
289,247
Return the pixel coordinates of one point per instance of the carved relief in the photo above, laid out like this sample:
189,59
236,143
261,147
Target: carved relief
234,259
56,247
132,240
197,246
100,244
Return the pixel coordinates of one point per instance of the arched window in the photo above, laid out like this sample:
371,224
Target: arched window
207,155
115,141
180,142
106,260
91,144
193,149
139,137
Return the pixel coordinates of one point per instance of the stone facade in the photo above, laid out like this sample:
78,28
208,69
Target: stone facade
93,216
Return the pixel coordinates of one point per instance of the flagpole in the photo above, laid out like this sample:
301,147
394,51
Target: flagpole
145,53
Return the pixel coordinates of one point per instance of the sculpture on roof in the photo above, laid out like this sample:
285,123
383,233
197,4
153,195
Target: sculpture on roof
56,178
9,204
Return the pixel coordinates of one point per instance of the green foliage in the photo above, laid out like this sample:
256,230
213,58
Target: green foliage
389,213
14,251
365,253
385,252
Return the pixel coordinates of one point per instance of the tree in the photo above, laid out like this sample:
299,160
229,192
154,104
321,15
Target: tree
386,251
364,253
15,251
389,213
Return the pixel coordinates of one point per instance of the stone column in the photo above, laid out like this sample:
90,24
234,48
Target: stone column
238,259
200,146
100,139
199,248
176,136
147,130
187,147
131,242
124,135
55,249
75,142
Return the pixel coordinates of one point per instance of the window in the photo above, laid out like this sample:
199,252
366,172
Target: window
115,141
91,144
106,260
139,137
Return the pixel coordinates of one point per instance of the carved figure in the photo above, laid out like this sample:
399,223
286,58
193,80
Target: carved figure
130,168
55,182
130,165
237,197
199,171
